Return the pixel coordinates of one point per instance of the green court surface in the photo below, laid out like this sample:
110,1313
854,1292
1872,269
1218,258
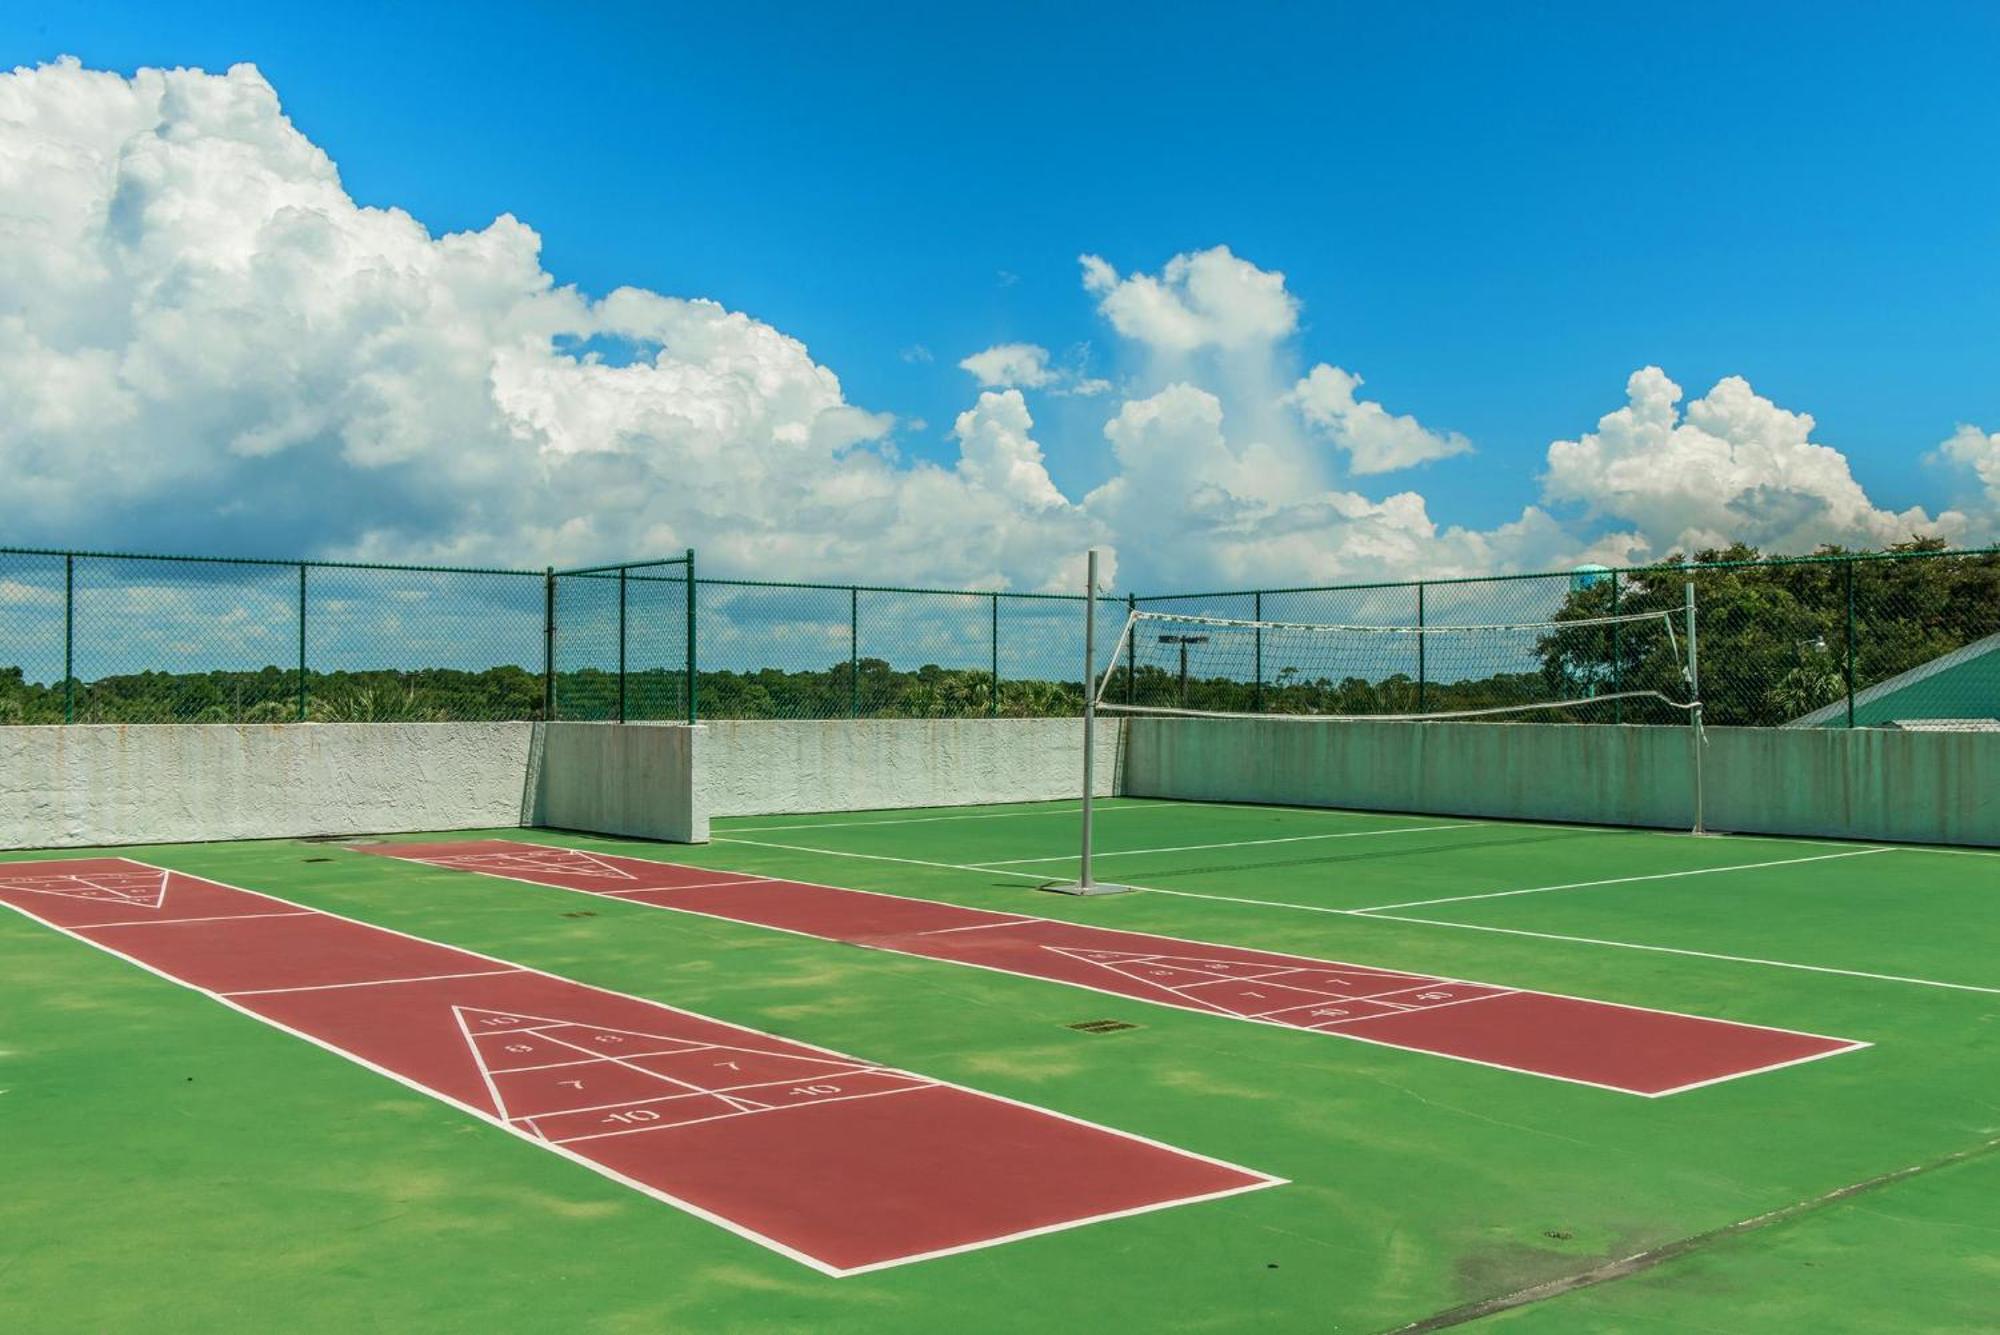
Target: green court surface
171,1165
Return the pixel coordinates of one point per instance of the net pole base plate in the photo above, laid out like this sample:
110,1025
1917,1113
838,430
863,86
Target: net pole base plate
1094,888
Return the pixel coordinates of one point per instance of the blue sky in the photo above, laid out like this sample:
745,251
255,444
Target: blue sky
1493,215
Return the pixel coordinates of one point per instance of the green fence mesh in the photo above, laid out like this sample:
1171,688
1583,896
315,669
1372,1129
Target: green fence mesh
1903,638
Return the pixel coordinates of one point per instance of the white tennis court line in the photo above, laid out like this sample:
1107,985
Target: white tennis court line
1666,950
969,815
1623,880
1236,843
1377,915
878,857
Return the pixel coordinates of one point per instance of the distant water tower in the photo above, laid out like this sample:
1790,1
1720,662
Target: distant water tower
1588,576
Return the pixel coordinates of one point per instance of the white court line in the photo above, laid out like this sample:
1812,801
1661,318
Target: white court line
366,982
1577,828
582,1061
616,1059
1624,880
1259,1182
1180,1001
1335,965
871,857
1376,915
976,927
1237,843
720,1092
745,879
1663,950
1377,996
216,917
746,1112
1430,1006
928,820
1760,1070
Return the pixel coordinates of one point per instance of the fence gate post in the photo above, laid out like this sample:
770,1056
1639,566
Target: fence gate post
621,643
1257,615
1849,567
994,711
302,641
549,644
69,638
1617,660
853,652
1131,653
1423,662
693,711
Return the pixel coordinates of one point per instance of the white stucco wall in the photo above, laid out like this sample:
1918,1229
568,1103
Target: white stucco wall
636,779
1868,783
88,784
755,767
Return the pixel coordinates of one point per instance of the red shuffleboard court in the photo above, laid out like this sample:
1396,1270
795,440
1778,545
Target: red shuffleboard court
1631,1049
834,1161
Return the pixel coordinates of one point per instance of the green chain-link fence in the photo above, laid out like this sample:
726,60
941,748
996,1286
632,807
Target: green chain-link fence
1910,636
1834,640
90,637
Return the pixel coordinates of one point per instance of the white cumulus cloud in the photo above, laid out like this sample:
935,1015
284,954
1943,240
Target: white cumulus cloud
1206,299
1376,440
1732,466
205,343
1978,453
1008,365
209,343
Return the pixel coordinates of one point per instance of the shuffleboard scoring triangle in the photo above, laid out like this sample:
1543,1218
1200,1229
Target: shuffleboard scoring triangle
537,859
140,887
539,1069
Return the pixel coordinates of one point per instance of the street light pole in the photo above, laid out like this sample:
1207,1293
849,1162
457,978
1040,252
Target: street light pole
1183,641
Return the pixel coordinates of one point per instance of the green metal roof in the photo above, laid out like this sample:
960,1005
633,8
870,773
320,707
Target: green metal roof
1963,684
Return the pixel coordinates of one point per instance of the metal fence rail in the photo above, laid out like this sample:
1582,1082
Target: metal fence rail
1837,640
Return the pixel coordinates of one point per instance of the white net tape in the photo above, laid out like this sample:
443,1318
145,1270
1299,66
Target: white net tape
1219,667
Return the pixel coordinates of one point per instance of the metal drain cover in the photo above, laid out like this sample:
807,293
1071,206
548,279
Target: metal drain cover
1100,1026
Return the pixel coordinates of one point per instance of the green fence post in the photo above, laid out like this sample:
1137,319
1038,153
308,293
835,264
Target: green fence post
995,703
1423,665
1257,615
621,644
302,641
69,638
1850,643
853,652
1131,653
693,710
549,643
1617,658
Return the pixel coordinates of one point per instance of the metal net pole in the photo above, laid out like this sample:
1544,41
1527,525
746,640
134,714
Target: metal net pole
1086,883
1695,737
1089,712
